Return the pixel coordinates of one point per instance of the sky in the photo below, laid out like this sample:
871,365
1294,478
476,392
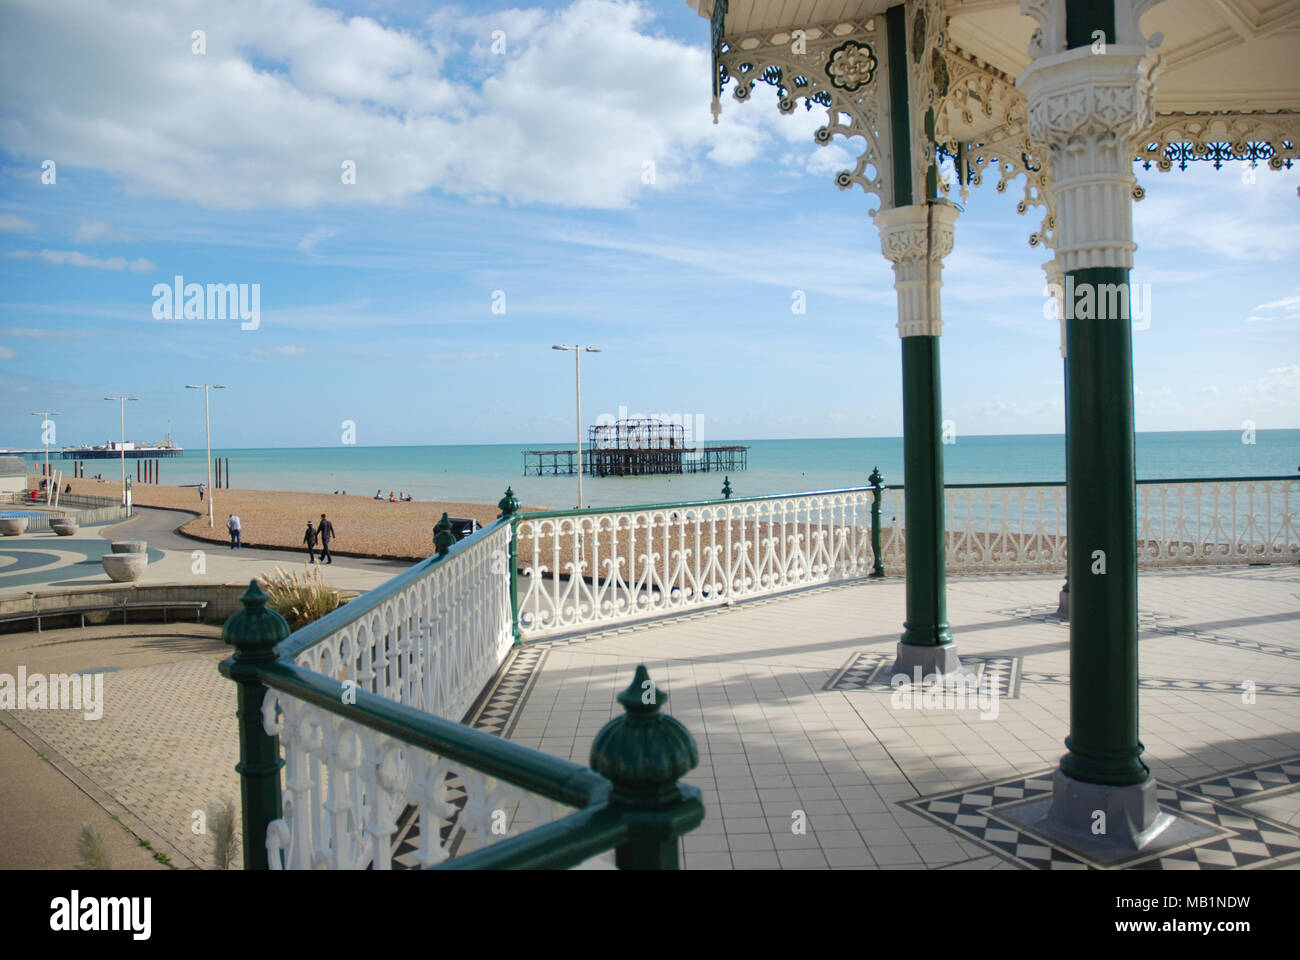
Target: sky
427,197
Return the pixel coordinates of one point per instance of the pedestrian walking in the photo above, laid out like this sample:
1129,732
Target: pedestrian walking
232,524
309,538
326,531
203,488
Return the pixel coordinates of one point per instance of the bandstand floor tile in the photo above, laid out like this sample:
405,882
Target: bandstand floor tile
785,701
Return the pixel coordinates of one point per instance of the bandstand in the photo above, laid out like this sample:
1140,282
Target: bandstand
1057,99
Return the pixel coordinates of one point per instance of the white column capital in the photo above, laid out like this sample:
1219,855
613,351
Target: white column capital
1088,109
916,239
1056,290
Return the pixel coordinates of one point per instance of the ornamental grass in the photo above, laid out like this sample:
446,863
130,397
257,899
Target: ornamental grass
300,598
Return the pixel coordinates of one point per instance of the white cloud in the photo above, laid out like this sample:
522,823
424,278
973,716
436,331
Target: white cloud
1286,308
12,223
97,231
7,354
280,351
308,243
72,258
1280,384
35,334
289,91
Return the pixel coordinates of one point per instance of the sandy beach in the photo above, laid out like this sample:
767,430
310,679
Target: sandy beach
402,531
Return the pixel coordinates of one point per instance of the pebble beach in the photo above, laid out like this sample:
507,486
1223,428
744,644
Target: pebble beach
378,528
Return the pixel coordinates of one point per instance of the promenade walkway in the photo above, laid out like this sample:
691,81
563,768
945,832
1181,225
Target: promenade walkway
805,760
42,560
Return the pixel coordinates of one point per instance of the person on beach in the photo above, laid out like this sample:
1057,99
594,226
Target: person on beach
232,524
378,495
203,488
309,538
326,531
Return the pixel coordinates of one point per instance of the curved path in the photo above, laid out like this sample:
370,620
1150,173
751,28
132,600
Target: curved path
43,560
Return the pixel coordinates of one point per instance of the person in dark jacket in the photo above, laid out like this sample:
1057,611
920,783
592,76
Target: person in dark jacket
326,531
309,538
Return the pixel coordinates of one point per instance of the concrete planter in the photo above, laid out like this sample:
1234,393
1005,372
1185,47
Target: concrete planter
130,546
124,567
12,526
64,528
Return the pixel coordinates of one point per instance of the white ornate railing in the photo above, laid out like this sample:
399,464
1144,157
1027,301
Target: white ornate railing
1219,521
347,787
430,638
579,568
1005,528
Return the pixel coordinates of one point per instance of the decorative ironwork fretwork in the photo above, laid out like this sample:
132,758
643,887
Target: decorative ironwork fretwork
981,121
716,25
851,65
1271,138
835,66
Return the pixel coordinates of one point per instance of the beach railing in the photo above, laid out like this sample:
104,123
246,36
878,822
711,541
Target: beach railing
578,569
360,711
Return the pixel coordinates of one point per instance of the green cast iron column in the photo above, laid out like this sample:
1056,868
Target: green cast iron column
1102,522
927,605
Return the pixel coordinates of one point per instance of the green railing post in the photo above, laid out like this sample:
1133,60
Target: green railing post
878,564
726,488
643,753
254,633
443,538
509,506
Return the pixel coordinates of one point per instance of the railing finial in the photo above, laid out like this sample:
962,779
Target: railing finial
726,488
443,538
509,504
643,753
255,630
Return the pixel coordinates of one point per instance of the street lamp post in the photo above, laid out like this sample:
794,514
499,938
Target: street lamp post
122,449
45,435
577,380
207,423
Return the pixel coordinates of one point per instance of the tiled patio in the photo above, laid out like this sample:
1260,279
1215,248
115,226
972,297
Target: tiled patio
781,699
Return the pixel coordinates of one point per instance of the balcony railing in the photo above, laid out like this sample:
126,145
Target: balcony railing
362,707
579,569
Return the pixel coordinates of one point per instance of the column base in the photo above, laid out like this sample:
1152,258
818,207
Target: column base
1136,828
1133,818
930,658
1063,605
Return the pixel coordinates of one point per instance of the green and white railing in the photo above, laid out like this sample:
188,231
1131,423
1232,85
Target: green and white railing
362,708
580,569
349,733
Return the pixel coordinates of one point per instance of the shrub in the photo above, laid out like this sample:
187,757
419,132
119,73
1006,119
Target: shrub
300,598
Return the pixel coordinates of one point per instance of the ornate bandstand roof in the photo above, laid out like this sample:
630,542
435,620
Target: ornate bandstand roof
1228,89
1218,54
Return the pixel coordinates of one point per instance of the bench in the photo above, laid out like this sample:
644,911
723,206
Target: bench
198,606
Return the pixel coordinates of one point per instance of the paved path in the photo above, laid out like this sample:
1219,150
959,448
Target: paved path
44,560
792,725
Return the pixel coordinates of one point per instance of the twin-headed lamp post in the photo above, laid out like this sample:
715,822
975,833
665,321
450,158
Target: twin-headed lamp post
207,422
578,351
122,449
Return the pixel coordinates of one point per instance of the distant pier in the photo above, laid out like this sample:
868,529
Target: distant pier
130,453
636,447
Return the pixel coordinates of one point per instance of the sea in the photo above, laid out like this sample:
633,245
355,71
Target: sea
480,473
